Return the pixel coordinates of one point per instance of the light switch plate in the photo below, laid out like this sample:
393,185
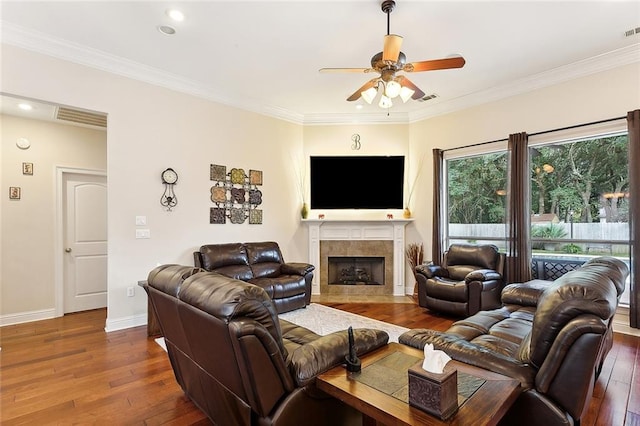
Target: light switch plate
141,220
143,233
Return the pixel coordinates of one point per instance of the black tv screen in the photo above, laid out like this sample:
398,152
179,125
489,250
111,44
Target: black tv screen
357,182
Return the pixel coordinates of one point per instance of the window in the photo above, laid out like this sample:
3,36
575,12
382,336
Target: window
476,199
580,203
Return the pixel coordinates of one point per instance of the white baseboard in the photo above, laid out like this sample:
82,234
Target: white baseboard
30,316
126,322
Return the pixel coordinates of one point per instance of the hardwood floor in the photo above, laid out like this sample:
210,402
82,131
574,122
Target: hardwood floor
69,371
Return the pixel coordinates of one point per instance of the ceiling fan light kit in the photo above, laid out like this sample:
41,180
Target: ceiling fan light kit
389,62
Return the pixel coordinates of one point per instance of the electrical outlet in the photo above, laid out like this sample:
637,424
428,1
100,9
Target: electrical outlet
131,291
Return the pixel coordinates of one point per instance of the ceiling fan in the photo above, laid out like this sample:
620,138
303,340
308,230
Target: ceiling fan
388,63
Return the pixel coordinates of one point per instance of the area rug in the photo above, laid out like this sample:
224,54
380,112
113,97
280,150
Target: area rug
324,320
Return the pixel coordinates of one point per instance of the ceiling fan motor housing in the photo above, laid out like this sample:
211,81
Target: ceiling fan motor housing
378,64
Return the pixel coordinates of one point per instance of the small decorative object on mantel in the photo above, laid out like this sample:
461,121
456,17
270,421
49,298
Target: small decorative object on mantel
406,213
169,199
304,212
14,192
389,216
435,391
27,169
235,195
321,216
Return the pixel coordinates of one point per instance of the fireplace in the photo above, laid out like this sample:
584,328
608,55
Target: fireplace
362,239
355,270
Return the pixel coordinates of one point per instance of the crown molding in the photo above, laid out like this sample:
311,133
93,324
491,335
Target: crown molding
28,39
42,43
614,59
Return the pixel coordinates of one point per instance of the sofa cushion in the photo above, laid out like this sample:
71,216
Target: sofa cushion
282,286
264,258
459,272
485,256
446,289
227,298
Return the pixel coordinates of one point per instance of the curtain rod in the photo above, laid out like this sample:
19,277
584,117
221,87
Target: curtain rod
540,133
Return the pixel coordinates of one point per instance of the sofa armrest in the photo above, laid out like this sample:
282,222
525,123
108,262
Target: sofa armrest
482,275
524,294
296,269
320,355
432,270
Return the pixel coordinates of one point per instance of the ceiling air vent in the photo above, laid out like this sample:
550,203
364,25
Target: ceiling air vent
427,97
82,117
632,31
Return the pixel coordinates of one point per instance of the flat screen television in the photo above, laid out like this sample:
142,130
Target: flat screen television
357,182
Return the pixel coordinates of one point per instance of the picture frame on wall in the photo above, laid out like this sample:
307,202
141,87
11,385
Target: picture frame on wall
27,168
14,192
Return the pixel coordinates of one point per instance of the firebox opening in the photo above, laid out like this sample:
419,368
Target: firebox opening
360,270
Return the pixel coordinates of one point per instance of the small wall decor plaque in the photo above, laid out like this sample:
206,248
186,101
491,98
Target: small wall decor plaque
236,195
14,192
27,168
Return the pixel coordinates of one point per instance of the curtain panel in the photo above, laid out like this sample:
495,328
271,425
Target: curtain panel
518,267
633,126
437,232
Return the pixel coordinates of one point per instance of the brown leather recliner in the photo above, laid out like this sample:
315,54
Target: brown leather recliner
469,280
262,264
551,336
237,361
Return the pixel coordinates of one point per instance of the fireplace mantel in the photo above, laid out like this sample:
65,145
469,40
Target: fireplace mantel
366,230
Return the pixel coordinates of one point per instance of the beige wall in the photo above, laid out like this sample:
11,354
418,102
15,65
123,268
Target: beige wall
151,128
601,96
28,224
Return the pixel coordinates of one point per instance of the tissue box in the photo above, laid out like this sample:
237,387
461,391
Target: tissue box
436,394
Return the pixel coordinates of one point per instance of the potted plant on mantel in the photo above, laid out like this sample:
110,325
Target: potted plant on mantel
415,257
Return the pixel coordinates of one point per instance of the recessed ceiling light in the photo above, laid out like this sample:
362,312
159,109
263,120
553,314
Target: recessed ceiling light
359,106
165,29
175,14
25,107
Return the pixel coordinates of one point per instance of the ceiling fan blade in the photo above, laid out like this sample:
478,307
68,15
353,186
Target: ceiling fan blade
354,70
392,44
435,64
405,82
356,95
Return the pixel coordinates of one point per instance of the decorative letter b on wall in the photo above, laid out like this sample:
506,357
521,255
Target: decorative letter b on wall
235,195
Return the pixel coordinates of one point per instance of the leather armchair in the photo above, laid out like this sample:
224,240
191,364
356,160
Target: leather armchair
469,280
551,336
237,361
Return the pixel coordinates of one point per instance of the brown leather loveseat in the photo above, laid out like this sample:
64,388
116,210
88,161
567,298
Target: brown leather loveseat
551,336
237,361
262,264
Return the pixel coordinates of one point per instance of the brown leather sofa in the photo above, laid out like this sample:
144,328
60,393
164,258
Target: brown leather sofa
469,280
551,336
237,361
262,264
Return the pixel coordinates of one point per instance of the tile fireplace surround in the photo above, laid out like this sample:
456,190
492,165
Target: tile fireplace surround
383,238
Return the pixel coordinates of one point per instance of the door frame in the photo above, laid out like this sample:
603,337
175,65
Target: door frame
58,240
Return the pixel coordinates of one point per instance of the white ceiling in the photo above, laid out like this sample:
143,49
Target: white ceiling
264,56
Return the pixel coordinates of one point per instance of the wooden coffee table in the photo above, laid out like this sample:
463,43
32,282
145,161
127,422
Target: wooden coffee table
485,406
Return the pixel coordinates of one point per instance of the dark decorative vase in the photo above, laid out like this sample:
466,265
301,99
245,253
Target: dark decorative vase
304,212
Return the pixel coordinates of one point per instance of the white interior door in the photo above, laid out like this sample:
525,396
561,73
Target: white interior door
85,257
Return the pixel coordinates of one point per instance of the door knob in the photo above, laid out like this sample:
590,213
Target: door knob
68,249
